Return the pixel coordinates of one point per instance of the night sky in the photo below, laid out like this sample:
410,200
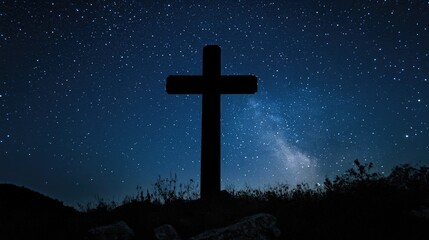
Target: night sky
84,111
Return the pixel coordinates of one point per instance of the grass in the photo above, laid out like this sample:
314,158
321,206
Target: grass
357,204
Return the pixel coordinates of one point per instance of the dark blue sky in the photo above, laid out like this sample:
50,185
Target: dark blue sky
84,110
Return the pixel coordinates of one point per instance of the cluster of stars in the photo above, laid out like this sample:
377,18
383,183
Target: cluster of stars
83,102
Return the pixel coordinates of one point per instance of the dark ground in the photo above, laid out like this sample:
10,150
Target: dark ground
356,205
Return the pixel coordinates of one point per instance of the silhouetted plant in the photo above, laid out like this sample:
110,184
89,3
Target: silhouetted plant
303,192
166,190
188,191
247,193
363,173
408,177
279,191
100,206
359,174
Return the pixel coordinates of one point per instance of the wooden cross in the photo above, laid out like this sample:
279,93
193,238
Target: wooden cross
211,84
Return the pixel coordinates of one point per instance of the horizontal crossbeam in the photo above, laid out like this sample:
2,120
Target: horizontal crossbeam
235,84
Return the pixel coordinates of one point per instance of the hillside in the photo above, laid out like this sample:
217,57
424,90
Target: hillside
25,213
356,205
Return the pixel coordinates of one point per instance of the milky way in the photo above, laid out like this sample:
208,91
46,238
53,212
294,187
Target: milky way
84,111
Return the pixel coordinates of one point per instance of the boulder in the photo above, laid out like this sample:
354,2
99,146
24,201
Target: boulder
260,226
116,231
423,212
166,232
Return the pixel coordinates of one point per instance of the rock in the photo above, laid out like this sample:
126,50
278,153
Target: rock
423,212
260,226
166,232
117,231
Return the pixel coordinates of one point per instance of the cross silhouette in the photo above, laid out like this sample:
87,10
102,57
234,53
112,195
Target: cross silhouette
211,84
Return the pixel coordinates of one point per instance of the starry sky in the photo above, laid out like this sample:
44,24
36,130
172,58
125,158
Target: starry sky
84,111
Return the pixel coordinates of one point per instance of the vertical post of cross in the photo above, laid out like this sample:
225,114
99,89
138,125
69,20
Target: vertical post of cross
210,136
211,85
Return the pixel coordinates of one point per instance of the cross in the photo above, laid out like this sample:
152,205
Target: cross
211,85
